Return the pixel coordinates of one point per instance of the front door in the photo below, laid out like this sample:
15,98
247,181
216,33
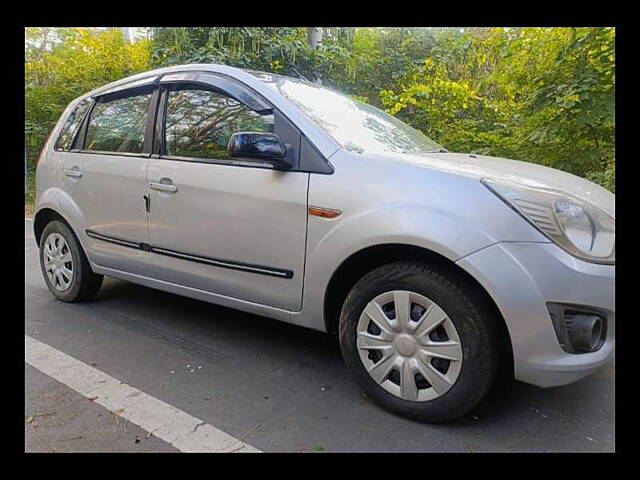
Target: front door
236,229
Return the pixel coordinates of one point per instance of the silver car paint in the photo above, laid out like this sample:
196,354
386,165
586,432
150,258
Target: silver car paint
433,201
109,193
231,215
521,277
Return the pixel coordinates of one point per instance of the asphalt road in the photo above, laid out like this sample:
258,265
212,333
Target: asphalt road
277,387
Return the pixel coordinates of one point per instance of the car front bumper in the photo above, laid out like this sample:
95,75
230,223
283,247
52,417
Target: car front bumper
522,277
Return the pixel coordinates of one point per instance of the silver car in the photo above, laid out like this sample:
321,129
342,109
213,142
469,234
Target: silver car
286,199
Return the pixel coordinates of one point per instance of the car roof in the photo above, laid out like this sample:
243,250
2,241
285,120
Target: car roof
207,67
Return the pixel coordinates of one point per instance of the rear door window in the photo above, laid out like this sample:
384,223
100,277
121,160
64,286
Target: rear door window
71,126
118,125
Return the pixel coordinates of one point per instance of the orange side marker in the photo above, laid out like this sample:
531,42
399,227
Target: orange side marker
323,212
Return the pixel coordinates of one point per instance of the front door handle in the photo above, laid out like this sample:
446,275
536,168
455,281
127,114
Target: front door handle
164,187
73,172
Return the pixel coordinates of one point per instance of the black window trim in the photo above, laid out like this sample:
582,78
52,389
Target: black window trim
113,154
127,89
159,142
223,84
78,142
217,161
78,130
137,90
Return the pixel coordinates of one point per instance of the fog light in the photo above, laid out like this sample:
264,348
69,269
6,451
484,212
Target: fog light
585,332
579,330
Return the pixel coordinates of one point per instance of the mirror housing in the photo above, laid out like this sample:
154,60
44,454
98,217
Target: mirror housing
266,147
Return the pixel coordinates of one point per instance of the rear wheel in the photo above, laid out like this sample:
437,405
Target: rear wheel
64,265
419,341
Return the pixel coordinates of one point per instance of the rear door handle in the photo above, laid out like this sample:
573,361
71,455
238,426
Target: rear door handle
73,172
164,187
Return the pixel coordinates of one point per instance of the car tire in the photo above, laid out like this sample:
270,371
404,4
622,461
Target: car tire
82,283
469,320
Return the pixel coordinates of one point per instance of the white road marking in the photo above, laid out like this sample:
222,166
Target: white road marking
29,219
183,431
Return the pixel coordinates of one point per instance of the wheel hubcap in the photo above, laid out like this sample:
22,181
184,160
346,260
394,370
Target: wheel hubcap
58,262
405,345
409,345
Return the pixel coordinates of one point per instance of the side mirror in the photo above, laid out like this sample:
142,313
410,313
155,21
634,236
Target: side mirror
266,147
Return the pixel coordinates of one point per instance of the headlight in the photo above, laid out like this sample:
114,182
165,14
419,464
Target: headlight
582,229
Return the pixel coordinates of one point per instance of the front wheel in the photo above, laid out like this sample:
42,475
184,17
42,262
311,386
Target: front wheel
64,265
419,340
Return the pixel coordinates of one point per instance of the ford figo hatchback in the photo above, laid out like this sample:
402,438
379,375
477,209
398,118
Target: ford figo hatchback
289,200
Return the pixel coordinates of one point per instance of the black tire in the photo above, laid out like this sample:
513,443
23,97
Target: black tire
475,324
85,283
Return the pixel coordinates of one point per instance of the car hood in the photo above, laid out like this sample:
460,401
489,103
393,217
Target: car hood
513,171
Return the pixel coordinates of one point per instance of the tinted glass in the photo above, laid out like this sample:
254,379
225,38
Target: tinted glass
199,123
71,126
118,125
357,126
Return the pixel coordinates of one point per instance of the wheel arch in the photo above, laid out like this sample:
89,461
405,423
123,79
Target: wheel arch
55,203
363,261
47,214
43,217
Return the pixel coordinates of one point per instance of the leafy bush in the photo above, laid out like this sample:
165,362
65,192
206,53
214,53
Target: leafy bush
64,63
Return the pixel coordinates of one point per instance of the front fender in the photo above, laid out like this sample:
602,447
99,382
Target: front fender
435,229
384,202
331,242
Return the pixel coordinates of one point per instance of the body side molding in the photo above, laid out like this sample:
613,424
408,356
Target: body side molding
216,262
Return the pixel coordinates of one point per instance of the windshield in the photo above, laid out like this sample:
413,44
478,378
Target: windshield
355,125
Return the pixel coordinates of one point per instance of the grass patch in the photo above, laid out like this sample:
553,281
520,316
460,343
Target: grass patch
28,209
30,195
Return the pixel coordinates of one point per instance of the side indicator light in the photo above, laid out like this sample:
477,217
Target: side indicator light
324,212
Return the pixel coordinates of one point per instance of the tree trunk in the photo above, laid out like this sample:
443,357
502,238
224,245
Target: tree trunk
314,36
126,34
314,39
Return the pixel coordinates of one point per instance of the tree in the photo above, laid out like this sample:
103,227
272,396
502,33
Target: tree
314,39
544,95
64,63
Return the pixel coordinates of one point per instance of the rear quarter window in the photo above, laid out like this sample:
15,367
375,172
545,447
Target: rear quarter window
71,127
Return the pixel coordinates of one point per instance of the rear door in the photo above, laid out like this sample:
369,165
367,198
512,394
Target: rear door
231,227
106,177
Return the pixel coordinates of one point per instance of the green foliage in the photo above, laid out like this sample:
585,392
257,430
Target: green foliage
544,95
281,50
379,58
62,64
